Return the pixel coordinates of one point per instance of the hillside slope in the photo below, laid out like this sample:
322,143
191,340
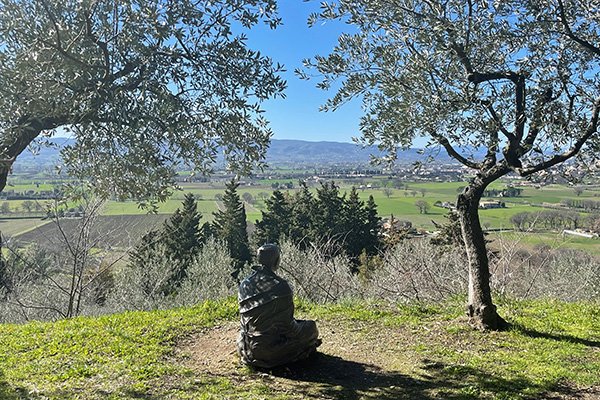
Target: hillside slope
369,351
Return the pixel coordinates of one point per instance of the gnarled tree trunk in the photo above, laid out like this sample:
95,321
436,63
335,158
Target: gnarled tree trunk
480,308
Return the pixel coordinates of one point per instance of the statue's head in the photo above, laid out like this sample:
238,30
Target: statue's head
268,255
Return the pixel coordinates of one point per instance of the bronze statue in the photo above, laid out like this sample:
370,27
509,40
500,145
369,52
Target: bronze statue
269,334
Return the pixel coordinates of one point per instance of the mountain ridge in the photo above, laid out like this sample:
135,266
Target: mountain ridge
280,152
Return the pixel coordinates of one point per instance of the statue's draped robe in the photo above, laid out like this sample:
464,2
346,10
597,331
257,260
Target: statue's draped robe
269,334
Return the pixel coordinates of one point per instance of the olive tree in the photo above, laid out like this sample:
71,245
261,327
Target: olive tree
144,86
516,79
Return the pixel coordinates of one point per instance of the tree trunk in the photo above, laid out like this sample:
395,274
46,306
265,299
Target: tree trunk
16,140
480,309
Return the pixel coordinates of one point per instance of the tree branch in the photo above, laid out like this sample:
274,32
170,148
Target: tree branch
490,107
569,32
534,128
453,153
54,22
102,45
28,129
520,117
559,158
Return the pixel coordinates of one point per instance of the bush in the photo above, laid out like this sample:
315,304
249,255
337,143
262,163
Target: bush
416,270
318,277
567,275
208,276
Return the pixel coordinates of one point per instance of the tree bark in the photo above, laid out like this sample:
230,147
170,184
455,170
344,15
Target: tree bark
480,308
15,141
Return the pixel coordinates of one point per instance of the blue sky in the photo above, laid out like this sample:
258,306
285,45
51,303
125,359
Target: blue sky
297,116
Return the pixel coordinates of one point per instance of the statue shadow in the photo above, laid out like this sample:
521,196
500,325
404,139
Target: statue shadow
329,376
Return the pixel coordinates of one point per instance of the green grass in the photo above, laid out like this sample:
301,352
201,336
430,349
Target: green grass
117,356
433,354
206,207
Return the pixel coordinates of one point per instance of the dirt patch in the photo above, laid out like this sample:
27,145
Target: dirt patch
355,361
214,350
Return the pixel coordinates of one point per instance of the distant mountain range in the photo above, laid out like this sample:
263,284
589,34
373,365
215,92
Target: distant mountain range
303,152
281,152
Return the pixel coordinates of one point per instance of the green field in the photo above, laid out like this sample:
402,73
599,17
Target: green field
400,204
551,240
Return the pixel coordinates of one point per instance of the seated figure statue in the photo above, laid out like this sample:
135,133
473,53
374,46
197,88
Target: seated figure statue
269,334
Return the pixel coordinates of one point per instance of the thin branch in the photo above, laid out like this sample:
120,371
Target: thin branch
535,127
30,306
453,153
102,45
520,116
54,22
67,55
559,158
569,32
490,107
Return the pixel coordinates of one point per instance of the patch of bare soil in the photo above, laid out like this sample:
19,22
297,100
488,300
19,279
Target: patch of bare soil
214,350
355,361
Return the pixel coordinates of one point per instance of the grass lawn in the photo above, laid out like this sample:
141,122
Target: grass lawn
371,351
205,206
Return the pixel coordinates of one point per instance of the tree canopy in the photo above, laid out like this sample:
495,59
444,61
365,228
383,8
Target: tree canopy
506,76
337,223
145,87
518,79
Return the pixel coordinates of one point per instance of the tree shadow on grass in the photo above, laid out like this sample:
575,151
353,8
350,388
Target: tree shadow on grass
331,377
554,336
9,392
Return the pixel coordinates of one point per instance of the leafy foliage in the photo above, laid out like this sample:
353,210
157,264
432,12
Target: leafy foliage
144,86
468,74
275,222
182,236
177,242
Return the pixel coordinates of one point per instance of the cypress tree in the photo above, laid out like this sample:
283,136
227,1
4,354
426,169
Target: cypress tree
371,228
230,226
144,252
355,227
302,207
275,221
179,240
326,224
182,238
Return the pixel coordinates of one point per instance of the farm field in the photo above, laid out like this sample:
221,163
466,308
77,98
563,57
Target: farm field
397,202
116,231
14,227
